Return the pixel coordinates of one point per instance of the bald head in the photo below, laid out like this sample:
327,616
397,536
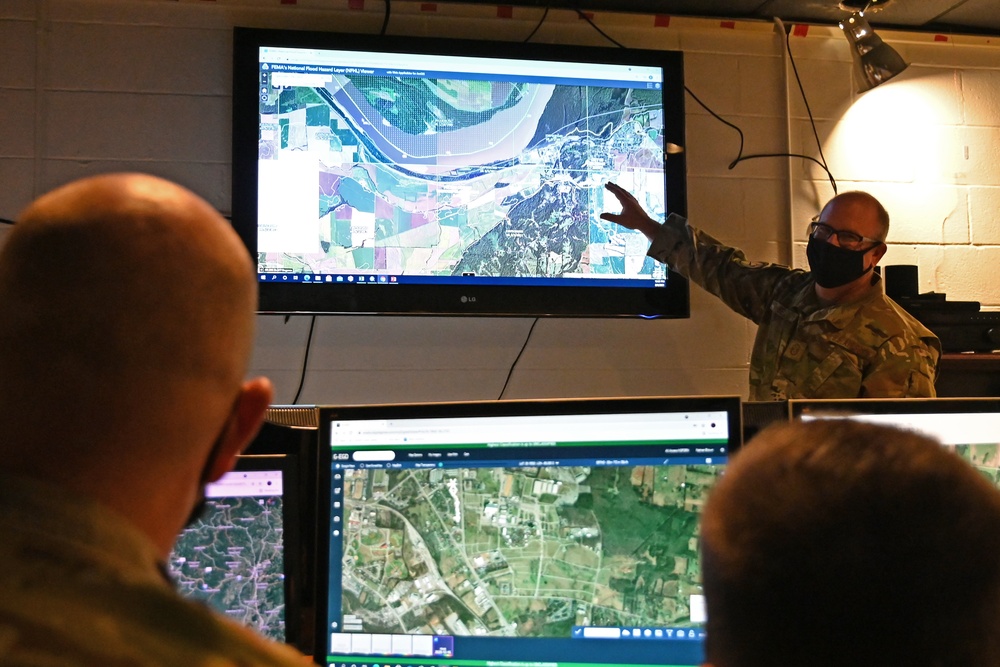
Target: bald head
125,297
860,212
836,542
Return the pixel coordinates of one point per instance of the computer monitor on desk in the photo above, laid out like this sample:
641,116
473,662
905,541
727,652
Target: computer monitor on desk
517,532
251,554
233,557
970,425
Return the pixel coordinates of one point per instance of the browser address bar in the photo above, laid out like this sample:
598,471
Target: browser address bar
586,428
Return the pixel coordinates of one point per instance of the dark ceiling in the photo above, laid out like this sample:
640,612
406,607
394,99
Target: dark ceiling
981,17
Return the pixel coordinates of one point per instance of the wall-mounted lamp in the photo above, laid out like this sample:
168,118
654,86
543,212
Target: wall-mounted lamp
875,61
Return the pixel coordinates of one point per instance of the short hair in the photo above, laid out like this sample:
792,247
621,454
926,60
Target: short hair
837,542
862,198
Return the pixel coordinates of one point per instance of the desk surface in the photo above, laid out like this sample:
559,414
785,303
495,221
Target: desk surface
970,359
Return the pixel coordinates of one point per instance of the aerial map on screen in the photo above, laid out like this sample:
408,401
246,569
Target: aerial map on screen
526,552
972,435
232,559
984,457
400,172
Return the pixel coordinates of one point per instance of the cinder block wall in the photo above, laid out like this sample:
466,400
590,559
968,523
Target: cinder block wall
90,86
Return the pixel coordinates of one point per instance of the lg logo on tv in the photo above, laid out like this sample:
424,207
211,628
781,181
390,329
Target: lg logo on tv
468,299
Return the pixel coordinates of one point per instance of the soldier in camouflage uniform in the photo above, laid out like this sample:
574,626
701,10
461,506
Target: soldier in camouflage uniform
127,330
826,333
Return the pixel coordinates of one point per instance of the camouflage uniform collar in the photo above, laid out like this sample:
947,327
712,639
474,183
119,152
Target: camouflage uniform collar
841,315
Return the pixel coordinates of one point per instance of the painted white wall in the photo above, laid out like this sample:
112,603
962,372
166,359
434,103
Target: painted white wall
90,86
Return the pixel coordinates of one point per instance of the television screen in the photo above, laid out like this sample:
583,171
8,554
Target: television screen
970,425
415,175
549,533
233,556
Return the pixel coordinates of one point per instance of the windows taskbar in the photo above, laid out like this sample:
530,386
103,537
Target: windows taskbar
344,279
354,661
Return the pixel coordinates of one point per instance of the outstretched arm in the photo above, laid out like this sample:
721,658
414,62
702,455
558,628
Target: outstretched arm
632,216
746,287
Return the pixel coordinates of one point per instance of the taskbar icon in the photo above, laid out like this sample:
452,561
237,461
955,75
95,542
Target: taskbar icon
326,278
654,633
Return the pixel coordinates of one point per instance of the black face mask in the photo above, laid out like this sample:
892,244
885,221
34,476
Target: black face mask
833,266
198,511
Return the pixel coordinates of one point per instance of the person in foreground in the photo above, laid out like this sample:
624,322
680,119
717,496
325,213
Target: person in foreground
830,332
128,320
835,542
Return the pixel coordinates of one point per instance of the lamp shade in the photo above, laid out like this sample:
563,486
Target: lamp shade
875,61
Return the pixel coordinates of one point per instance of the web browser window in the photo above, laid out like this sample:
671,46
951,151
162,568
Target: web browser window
564,535
232,557
969,425
453,145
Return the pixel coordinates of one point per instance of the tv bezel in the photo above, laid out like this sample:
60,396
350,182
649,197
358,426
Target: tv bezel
670,301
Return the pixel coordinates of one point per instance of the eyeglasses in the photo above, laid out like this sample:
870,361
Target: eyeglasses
847,239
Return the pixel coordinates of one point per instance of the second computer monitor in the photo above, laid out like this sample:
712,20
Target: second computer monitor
555,532
970,425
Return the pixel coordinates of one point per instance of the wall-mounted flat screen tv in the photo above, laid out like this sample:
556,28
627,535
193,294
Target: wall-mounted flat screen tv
433,176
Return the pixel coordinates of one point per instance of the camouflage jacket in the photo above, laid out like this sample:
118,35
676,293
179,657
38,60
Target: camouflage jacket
870,348
81,586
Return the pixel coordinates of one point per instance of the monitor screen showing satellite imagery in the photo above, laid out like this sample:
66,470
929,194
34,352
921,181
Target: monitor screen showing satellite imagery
232,557
969,425
551,533
412,175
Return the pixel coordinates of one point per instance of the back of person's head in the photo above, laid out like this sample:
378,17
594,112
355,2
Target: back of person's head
842,543
128,319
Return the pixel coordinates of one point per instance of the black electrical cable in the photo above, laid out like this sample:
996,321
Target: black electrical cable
605,35
812,122
517,359
385,19
540,22
305,358
740,157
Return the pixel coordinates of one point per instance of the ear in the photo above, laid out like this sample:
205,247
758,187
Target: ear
878,252
244,422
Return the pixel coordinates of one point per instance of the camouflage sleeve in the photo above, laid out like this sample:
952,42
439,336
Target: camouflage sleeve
903,369
744,286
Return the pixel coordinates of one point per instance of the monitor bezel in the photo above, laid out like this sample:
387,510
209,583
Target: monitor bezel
671,301
731,405
287,433
890,406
